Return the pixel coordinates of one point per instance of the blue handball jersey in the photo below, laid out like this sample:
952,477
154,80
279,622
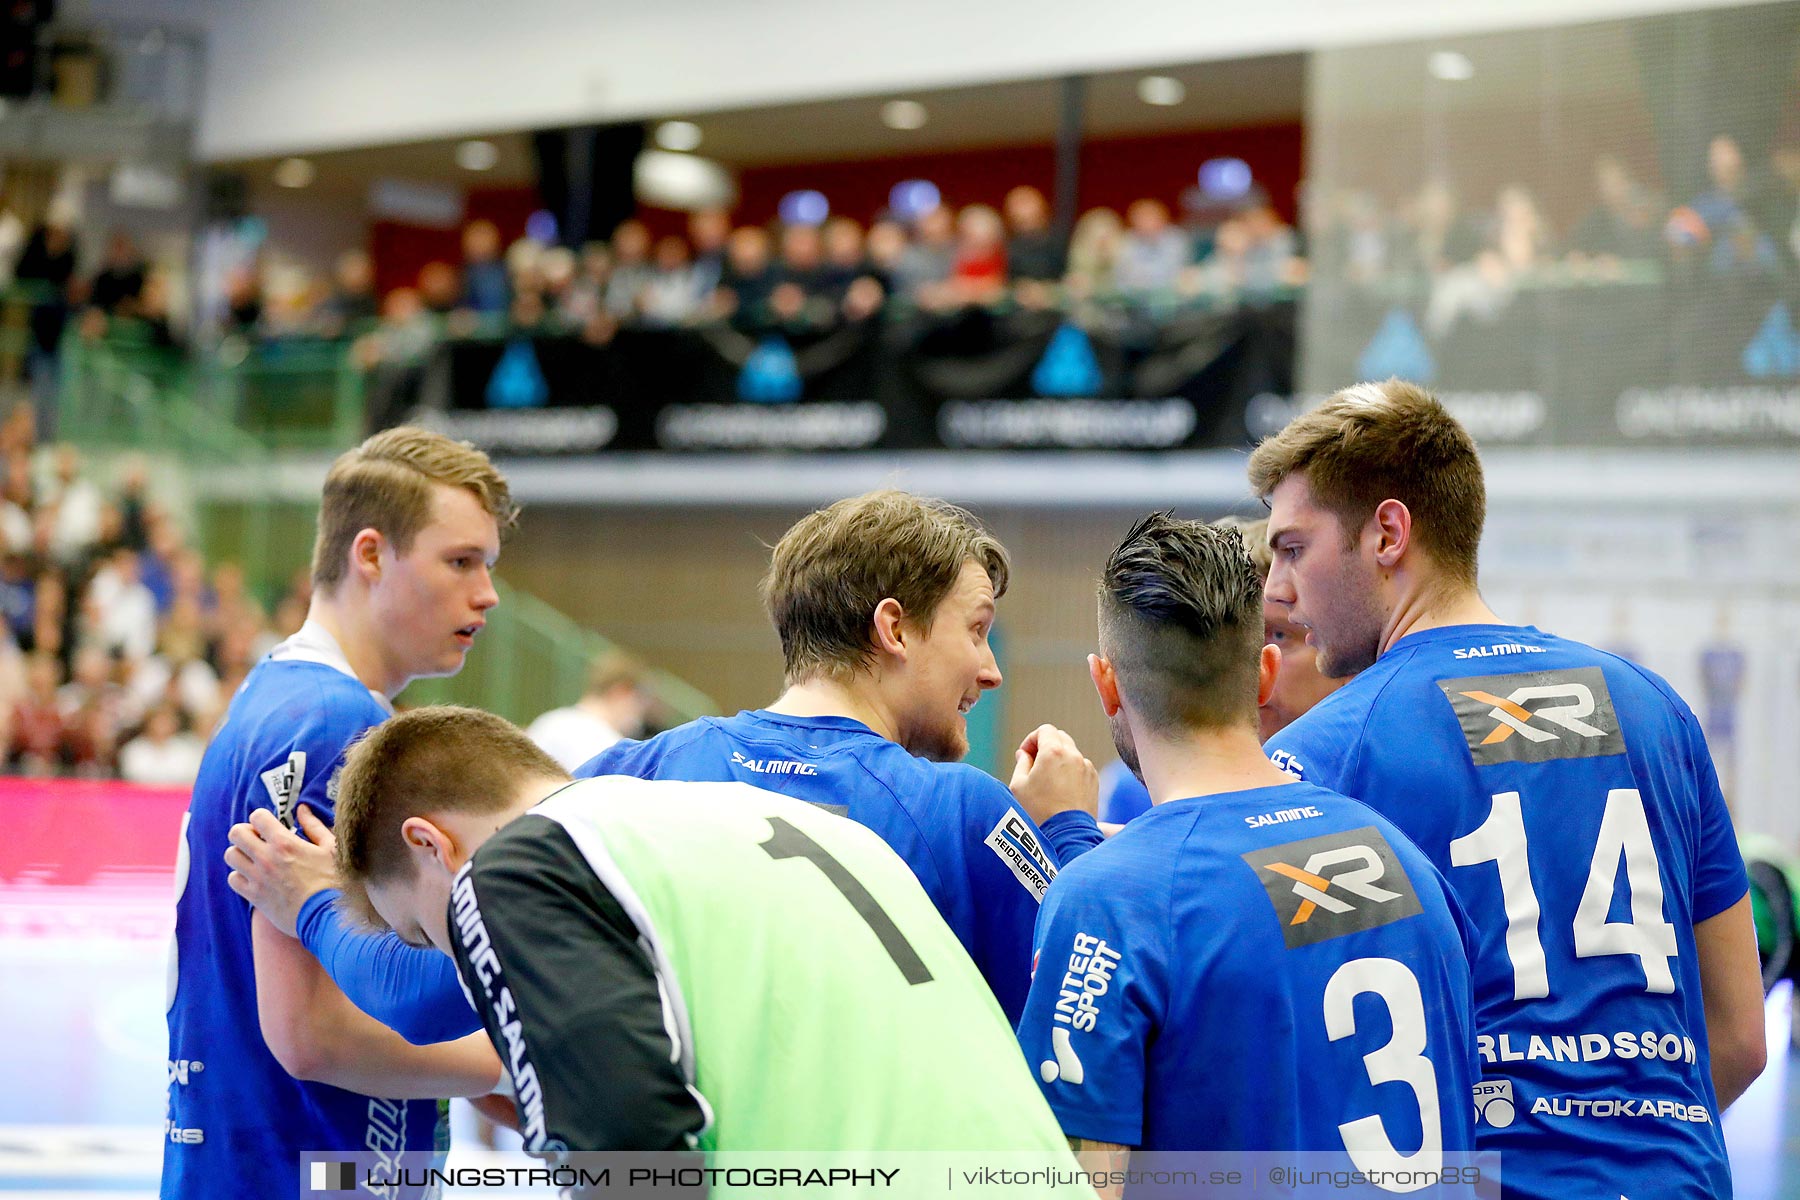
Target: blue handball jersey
237,1123
1273,969
1568,797
979,857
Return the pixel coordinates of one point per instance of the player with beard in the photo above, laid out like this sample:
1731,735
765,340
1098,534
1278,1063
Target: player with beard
1298,683
1566,793
884,603
1256,964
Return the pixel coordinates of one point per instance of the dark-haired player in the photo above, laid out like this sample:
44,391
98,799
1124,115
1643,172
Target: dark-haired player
1255,964
1298,684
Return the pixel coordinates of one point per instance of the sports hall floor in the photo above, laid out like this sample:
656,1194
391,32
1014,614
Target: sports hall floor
79,1117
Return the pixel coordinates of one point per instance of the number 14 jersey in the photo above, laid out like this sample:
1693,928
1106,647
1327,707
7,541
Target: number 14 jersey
1569,799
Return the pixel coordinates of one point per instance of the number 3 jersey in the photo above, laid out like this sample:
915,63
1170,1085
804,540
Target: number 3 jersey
1273,969
1569,799
667,964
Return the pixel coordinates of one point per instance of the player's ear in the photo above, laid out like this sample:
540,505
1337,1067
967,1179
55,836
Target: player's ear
886,628
426,842
1106,683
1392,521
365,554
1268,666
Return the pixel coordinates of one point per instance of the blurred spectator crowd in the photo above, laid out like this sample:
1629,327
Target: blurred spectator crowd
1469,262
119,647
1464,259
809,276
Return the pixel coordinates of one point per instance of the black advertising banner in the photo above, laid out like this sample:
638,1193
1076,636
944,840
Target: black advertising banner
1627,364
970,380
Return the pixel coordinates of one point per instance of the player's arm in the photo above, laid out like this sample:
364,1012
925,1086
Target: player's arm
989,895
1724,935
1101,1160
316,1034
570,998
412,991
1731,989
292,882
1072,834
1090,1056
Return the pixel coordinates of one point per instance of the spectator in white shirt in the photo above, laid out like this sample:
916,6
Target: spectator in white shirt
121,611
76,503
162,754
613,707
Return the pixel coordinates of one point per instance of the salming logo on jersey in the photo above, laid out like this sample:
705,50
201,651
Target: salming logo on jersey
1324,887
773,766
1536,716
472,931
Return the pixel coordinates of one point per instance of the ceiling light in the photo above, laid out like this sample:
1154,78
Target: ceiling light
687,182
1450,66
294,173
477,155
804,208
903,114
913,198
678,135
1161,90
1225,178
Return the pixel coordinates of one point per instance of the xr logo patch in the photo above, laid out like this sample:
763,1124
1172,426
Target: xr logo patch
1536,716
1324,887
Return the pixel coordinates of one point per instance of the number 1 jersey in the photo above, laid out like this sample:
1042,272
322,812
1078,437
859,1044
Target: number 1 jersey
1568,797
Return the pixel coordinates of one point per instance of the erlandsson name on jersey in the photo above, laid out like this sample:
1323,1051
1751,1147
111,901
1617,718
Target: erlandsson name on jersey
479,947
773,766
1586,1047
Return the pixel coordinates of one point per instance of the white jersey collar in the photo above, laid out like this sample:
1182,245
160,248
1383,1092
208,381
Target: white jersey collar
313,643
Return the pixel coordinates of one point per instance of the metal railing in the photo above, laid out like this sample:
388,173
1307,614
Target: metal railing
531,658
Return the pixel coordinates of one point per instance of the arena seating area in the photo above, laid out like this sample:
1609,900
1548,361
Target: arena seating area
121,644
